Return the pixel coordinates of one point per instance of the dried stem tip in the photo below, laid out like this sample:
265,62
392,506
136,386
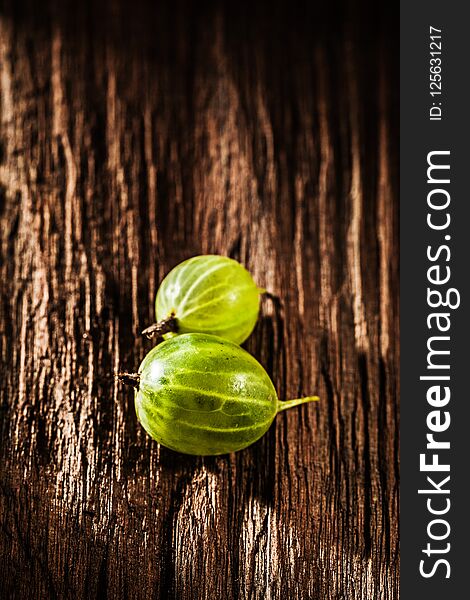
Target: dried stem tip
129,379
164,326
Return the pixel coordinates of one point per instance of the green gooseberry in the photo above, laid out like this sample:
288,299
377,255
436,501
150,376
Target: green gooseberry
200,394
207,294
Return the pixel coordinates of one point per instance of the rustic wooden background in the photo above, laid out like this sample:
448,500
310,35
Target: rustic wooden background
135,135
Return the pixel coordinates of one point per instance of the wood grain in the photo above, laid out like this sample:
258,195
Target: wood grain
134,136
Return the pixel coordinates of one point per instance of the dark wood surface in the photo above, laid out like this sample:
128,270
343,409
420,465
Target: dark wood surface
132,137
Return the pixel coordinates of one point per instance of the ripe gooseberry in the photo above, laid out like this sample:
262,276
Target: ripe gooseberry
200,394
207,294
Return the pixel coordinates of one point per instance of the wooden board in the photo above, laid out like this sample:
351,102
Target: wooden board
135,135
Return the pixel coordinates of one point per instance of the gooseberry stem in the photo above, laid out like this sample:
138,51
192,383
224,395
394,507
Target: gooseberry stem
132,379
296,402
168,325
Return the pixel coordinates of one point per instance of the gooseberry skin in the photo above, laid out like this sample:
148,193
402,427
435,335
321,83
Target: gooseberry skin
210,294
200,394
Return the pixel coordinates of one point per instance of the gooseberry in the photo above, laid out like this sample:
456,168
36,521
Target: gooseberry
207,294
200,394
